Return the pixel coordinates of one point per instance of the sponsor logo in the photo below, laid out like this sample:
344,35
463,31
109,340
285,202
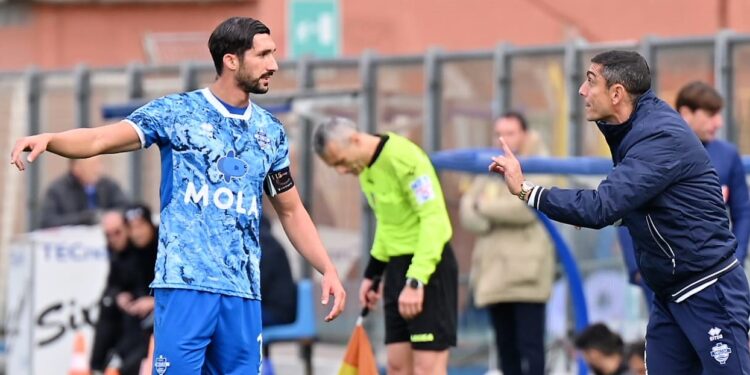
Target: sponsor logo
232,167
422,337
222,198
715,334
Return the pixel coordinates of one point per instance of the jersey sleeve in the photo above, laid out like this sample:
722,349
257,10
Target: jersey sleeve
281,159
151,122
425,196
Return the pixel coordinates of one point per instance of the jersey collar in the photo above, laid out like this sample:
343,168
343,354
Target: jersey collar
223,110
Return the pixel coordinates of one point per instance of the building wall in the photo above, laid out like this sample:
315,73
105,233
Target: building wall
63,35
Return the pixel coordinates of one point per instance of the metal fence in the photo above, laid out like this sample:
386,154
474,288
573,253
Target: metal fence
440,99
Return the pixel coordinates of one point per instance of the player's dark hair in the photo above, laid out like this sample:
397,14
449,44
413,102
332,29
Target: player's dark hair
626,68
599,337
233,36
699,95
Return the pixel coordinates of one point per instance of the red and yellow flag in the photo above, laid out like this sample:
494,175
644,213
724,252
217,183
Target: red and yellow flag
359,359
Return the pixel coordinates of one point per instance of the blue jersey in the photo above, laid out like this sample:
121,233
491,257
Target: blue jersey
214,164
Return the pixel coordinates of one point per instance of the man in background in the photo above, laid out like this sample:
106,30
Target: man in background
276,281
603,350
136,304
109,325
637,358
512,265
700,106
79,197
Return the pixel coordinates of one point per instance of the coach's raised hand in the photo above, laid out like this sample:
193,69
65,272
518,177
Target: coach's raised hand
508,166
35,144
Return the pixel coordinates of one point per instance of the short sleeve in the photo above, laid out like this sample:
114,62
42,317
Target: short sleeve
281,158
149,121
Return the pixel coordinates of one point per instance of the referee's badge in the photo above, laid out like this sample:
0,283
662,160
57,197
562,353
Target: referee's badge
422,188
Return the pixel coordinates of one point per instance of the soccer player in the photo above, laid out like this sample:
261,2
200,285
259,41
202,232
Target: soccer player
411,243
665,190
219,153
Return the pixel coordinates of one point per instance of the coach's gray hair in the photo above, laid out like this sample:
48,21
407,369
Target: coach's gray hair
333,129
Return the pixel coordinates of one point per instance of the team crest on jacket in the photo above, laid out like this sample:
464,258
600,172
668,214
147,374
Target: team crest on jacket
720,352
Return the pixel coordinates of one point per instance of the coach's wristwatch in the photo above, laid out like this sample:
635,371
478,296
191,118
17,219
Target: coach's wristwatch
526,187
414,283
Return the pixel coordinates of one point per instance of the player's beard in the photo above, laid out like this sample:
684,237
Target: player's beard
250,85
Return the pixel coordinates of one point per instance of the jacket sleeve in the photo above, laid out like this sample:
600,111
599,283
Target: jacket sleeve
649,167
115,195
51,215
112,287
739,207
425,196
471,220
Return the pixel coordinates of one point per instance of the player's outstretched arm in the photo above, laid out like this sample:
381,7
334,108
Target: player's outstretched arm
77,143
303,235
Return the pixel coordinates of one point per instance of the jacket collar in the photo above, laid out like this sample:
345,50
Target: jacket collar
614,133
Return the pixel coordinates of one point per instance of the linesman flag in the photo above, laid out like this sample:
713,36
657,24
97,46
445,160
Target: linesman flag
359,359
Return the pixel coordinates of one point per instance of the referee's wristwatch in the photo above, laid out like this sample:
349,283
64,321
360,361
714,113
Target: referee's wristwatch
414,283
526,188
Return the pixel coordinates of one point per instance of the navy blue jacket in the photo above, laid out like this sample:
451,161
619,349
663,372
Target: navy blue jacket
666,192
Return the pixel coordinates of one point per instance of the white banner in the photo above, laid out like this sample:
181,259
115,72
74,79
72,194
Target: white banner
68,270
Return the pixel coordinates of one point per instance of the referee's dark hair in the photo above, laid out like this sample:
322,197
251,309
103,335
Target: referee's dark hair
599,337
233,36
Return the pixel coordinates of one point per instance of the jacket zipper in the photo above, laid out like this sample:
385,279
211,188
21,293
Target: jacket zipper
654,233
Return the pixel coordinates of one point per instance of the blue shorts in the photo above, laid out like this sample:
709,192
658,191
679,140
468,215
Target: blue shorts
704,335
206,333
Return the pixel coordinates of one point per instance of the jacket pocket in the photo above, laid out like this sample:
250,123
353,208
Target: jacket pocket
660,241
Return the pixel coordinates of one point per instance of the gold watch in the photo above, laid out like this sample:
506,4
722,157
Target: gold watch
526,188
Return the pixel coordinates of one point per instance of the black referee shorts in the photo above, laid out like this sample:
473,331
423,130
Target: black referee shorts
435,327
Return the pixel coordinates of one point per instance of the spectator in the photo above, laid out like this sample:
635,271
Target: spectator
131,273
279,305
700,106
109,325
636,358
513,260
603,350
78,197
